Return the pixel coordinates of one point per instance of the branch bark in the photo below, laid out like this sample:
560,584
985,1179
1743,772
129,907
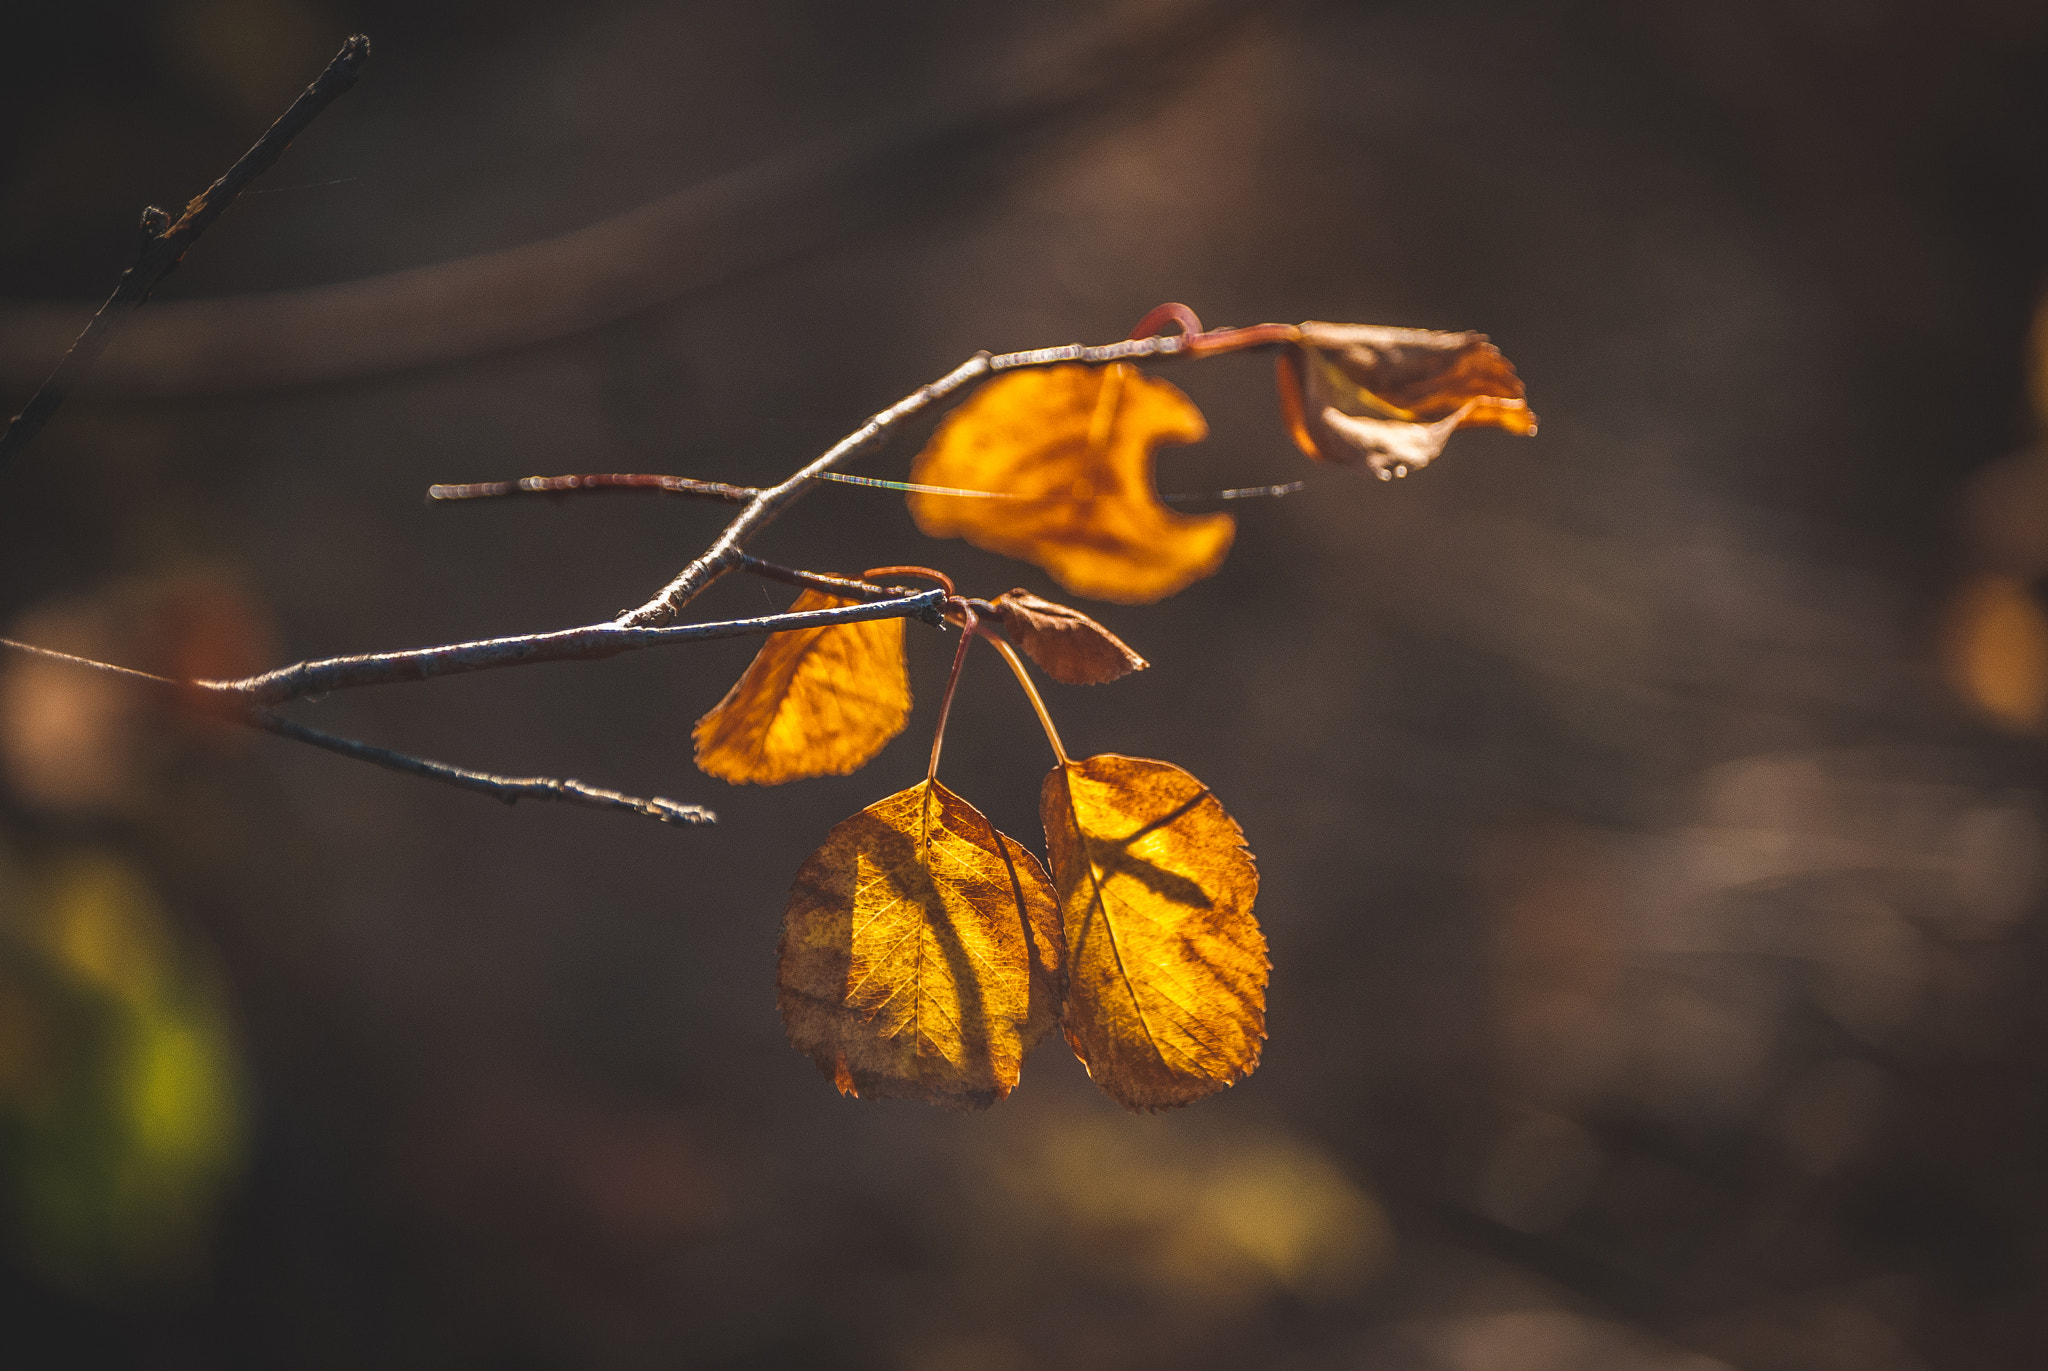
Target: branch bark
164,243
617,480
242,701
510,789
589,643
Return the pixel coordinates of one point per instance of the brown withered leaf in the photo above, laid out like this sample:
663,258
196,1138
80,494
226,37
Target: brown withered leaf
1076,443
814,702
1166,998
921,953
1390,398
1073,648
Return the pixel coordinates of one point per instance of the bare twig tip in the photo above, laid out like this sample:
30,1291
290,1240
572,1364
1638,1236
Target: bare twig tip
673,812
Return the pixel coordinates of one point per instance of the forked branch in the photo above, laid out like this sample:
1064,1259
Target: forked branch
510,789
724,555
246,701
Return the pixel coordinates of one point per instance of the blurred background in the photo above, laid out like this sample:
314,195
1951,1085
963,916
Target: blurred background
1650,813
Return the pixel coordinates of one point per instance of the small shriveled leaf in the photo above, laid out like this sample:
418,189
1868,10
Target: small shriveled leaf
921,953
1166,1001
1390,398
1076,445
1073,648
814,702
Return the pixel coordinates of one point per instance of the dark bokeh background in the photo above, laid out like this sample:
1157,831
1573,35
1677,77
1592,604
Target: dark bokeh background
1649,813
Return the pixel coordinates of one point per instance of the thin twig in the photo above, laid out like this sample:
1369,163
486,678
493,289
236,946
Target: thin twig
1241,493
913,488
164,243
589,643
510,789
817,580
106,668
638,482
758,216
723,555
614,480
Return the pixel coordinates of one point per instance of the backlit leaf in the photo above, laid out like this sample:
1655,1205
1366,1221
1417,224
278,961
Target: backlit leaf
1390,398
1072,647
1996,651
1166,965
120,1078
1076,443
921,953
814,702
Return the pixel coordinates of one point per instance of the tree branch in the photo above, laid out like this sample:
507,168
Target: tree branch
841,586
617,480
164,243
589,643
724,555
757,216
243,699
510,789
638,483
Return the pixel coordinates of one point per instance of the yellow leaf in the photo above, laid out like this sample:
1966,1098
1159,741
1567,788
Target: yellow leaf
814,702
1390,398
1167,967
1076,444
1996,650
921,953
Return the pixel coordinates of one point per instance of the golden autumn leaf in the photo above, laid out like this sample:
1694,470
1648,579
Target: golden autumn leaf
1995,649
1166,967
1073,648
921,953
1390,398
1076,444
814,702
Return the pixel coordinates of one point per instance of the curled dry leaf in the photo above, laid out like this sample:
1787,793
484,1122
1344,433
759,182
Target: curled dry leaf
921,953
1075,444
813,702
1390,398
1167,968
1071,647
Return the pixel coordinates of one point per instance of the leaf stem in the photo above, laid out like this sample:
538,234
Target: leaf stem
1172,312
927,573
1052,735
969,625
